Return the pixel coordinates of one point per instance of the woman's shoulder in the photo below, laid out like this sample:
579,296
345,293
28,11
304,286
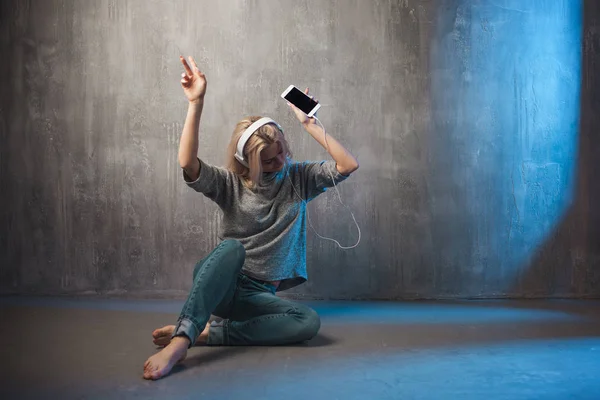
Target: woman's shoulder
302,167
295,167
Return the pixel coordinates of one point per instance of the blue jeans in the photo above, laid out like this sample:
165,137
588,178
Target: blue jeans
252,313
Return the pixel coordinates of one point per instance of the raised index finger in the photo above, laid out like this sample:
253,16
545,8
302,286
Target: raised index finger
188,70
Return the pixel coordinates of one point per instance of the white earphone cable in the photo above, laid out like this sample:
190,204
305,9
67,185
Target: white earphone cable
339,197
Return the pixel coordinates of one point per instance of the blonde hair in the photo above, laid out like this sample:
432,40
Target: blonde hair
265,136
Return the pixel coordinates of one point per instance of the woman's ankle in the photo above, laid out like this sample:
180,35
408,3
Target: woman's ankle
203,337
180,341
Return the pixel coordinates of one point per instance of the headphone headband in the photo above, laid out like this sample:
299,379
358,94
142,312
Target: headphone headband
239,154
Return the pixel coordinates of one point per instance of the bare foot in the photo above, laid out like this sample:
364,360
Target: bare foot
160,364
162,336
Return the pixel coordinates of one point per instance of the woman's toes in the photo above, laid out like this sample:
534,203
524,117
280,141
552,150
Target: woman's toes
164,331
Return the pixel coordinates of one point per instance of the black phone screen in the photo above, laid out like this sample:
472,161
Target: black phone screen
300,100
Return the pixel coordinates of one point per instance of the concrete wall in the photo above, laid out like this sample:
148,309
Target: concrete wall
477,159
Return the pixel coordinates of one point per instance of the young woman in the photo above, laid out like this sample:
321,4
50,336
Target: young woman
263,196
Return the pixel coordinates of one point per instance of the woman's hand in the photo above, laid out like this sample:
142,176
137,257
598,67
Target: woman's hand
193,81
303,118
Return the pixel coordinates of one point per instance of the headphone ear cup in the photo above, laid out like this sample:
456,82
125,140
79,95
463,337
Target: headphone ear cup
241,160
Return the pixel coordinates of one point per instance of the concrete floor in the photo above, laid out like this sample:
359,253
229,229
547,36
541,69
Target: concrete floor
65,348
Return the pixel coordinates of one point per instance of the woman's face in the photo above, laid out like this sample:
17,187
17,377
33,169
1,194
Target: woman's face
272,157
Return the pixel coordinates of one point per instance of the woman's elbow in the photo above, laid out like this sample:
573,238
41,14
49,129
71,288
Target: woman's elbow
188,162
191,167
348,169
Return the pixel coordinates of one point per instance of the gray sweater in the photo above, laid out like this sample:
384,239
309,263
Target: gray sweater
268,220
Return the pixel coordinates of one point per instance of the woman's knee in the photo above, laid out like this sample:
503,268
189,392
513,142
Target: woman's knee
229,252
234,247
310,323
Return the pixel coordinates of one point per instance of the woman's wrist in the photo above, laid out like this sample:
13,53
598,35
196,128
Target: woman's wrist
197,102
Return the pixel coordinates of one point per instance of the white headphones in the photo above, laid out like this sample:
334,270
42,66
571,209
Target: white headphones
239,154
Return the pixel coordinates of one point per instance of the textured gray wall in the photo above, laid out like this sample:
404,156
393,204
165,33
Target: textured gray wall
474,179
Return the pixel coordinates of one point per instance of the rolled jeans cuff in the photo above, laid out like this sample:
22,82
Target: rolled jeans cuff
187,328
217,333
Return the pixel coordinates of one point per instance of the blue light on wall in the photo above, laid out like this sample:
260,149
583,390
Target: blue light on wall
505,88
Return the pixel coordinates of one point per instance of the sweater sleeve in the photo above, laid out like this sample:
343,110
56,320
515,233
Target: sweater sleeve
213,182
316,177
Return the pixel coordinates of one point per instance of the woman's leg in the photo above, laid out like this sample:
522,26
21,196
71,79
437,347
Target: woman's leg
214,285
162,336
259,317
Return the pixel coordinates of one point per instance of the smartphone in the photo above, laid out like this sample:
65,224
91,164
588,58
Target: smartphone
304,103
